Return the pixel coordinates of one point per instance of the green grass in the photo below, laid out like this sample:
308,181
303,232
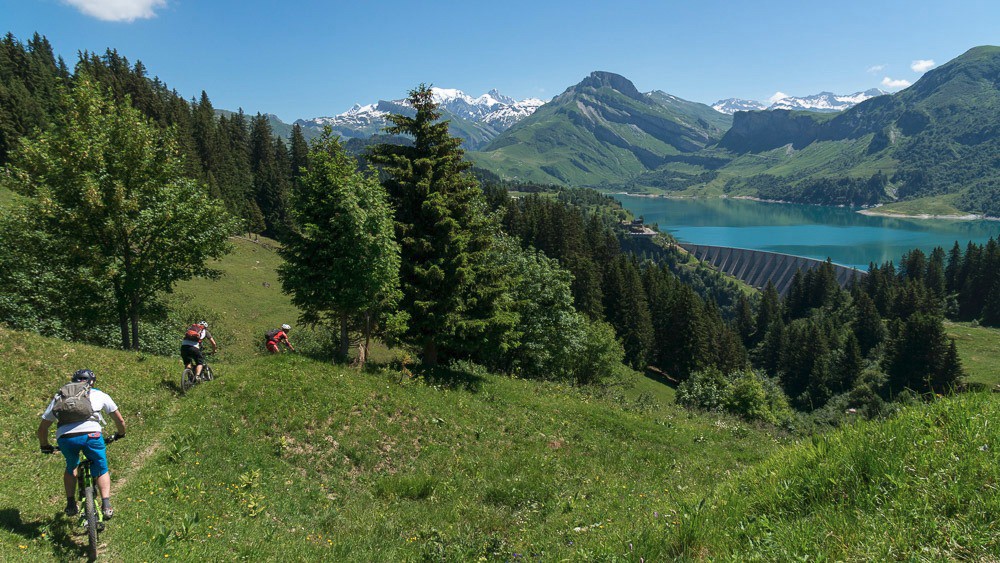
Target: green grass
288,458
920,487
245,302
934,205
979,348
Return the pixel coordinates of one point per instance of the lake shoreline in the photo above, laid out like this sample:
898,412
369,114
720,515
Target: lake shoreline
870,211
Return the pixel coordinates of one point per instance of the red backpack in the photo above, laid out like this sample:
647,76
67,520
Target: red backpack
194,332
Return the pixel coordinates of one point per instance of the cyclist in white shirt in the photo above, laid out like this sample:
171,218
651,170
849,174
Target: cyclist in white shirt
85,436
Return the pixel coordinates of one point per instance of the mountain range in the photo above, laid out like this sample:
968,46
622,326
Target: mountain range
822,102
936,139
476,120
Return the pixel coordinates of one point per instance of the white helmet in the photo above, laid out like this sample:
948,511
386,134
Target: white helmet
203,323
286,327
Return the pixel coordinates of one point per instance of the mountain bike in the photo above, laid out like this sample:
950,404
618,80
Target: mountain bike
92,517
189,379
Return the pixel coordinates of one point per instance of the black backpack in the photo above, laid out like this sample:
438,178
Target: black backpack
72,403
271,334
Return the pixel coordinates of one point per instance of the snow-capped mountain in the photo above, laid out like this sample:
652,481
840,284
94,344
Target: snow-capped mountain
733,105
826,101
822,102
485,116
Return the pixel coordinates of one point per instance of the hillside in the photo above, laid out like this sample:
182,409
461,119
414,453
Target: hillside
600,131
290,457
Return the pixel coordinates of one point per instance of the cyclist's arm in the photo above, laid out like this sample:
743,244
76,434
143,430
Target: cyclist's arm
288,343
43,433
215,347
119,421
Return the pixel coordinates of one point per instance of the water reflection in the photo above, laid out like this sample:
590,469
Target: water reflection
846,237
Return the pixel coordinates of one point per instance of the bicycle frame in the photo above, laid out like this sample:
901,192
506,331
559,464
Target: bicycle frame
88,494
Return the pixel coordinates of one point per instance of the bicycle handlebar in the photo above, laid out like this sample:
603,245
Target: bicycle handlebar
107,440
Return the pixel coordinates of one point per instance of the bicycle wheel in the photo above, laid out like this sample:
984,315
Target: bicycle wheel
187,379
90,513
206,373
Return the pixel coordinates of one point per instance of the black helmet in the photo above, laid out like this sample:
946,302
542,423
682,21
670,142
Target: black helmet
84,375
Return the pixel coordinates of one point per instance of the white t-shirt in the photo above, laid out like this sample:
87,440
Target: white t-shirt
99,401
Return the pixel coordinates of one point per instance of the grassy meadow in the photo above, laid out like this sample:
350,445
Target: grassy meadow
293,458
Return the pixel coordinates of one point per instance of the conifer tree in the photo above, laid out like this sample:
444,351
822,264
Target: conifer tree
868,328
443,230
298,153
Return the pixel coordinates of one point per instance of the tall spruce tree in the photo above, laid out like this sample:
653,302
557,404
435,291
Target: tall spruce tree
443,230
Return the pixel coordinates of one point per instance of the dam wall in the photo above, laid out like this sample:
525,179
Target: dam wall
756,267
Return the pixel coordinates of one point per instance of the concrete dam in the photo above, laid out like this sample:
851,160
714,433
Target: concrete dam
756,267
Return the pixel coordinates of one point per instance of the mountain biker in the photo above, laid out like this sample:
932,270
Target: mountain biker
85,436
191,346
278,336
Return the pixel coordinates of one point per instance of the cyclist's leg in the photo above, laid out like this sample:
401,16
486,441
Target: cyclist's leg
96,452
199,359
272,347
187,357
70,449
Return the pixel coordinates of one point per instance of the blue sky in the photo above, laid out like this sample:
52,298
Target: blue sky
302,59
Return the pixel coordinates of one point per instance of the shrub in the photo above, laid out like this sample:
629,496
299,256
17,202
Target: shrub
745,393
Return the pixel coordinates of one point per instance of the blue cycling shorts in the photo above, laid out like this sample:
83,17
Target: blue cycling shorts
92,446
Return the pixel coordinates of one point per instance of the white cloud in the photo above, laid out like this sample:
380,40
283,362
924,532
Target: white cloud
922,65
777,96
875,69
118,10
895,84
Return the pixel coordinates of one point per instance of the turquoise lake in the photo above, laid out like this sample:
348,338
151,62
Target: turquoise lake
841,234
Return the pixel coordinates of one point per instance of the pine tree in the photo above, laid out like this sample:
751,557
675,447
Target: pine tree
269,162
744,320
868,328
443,230
298,154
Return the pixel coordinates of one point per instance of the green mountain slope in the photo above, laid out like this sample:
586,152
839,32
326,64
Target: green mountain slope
939,136
601,131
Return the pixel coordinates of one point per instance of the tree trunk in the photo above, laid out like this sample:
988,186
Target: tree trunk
430,352
345,340
135,329
363,344
123,325
123,317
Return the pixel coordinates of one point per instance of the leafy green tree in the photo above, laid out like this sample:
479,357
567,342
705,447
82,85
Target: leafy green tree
107,188
444,231
342,262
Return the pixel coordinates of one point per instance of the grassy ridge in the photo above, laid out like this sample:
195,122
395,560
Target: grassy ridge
287,457
921,486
